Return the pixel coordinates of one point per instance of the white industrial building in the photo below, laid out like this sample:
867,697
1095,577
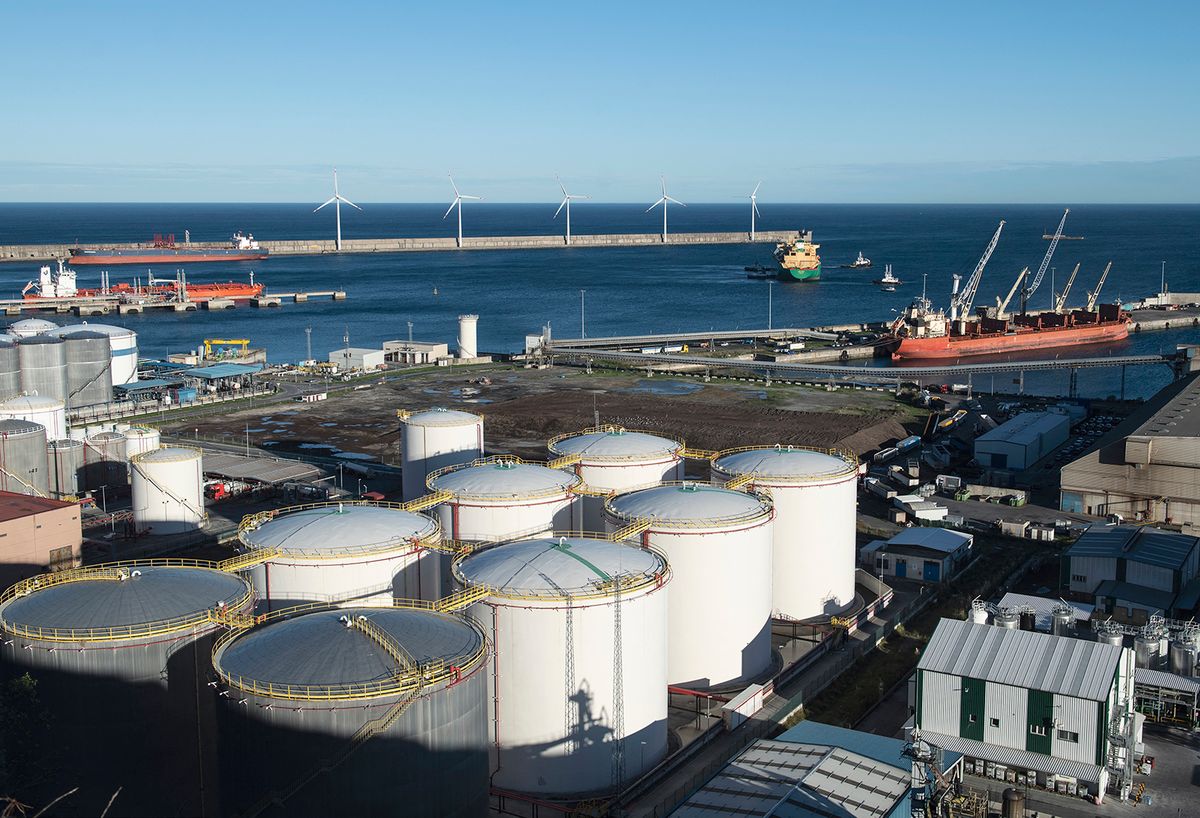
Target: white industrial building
414,353
1133,571
364,360
926,554
1026,707
1022,441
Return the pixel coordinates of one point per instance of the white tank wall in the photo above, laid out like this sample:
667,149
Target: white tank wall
427,447
467,347
168,489
489,521
622,477
412,573
719,607
528,669
139,439
48,412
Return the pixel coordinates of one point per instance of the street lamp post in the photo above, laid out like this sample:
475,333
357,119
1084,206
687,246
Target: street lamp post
582,315
770,303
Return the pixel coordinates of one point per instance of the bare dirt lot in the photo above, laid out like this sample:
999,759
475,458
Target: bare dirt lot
525,407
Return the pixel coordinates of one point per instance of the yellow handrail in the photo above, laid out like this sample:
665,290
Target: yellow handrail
847,456
463,599
634,529
676,449
764,498
427,501
402,657
698,454
249,559
564,461
740,482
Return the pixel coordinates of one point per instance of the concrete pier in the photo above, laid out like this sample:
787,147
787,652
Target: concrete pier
45,252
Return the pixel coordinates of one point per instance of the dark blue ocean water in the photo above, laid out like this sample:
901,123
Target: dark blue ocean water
652,289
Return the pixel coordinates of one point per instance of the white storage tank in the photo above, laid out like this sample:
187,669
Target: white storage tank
65,465
23,460
48,412
557,699
815,493
122,346
105,460
337,552
617,460
168,490
467,347
28,327
434,439
43,361
718,544
140,439
501,498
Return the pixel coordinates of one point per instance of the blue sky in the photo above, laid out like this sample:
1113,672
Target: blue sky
827,102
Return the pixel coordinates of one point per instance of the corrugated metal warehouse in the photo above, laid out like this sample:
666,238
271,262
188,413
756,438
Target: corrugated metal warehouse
1131,567
1022,441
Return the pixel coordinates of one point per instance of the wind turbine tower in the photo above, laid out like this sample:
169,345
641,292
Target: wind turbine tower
566,202
459,198
336,201
754,209
664,200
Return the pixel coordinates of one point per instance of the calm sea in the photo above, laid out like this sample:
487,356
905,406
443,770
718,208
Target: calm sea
628,290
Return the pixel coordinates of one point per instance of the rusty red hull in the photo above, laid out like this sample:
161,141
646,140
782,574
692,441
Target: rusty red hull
1020,340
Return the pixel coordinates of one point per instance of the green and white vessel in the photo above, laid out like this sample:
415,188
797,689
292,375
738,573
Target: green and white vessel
798,259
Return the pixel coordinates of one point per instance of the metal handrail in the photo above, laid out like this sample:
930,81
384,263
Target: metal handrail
764,498
430,541
495,460
845,455
676,449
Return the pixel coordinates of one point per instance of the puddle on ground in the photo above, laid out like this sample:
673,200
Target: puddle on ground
666,387
354,456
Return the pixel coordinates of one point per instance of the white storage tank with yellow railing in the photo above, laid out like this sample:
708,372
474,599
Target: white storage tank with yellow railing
718,543
435,439
815,492
564,615
342,551
168,490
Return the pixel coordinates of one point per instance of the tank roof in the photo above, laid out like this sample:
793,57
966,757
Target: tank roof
784,462
105,436
613,444
64,442
30,403
340,528
171,596
556,567
318,650
442,417
16,426
37,340
140,431
502,478
33,323
106,329
167,454
84,335
689,503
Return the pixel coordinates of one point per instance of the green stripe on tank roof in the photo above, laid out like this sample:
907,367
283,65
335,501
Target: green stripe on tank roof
564,547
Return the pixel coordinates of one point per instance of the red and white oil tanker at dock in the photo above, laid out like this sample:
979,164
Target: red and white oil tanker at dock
165,250
60,284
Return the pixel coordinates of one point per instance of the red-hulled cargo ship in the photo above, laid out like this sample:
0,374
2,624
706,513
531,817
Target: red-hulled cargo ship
164,250
61,284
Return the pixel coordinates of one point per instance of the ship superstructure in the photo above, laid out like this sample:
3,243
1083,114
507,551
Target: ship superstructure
798,259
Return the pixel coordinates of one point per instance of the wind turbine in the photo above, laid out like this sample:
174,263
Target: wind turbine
336,201
663,200
754,209
566,202
459,198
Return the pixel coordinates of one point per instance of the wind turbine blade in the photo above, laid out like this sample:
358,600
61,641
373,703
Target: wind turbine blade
578,196
472,198
329,202
347,201
450,208
675,201
663,180
755,205
561,185
656,204
456,193
561,206
756,187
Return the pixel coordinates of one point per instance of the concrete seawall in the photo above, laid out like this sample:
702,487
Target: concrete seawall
45,252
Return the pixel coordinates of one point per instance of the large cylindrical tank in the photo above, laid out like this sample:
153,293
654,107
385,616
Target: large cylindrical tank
89,368
1008,618
105,460
1146,651
1110,636
65,465
436,439
28,327
1183,658
1062,620
402,689
336,552
1014,804
122,347
978,614
121,654
140,439
616,460
43,361
815,496
501,498
1028,619
48,412
718,543
23,463
10,370
551,609
168,490
467,347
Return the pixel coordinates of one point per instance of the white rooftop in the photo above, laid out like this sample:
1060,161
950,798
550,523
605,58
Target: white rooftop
340,528
937,539
613,445
442,417
784,462
557,565
1025,428
689,503
503,479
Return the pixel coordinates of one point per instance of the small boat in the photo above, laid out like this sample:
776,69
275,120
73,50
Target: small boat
889,282
761,271
860,263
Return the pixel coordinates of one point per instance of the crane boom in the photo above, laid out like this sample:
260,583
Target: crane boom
1041,273
1061,299
1092,296
962,301
1001,306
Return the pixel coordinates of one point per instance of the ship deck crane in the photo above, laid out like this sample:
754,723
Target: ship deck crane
1092,296
961,302
1027,293
1060,300
1001,306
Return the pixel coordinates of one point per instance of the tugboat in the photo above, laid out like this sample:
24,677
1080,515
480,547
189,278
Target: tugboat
860,263
889,282
760,271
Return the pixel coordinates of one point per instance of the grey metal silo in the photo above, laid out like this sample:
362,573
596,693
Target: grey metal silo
367,711
23,458
64,461
10,370
105,460
43,366
89,368
122,658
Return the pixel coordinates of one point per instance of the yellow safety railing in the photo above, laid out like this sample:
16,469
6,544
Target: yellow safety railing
463,599
676,448
502,461
634,529
241,562
740,482
399,655
847,456
845,622
698,454
431,540
584,490
403,414
427,501
564,461
750,515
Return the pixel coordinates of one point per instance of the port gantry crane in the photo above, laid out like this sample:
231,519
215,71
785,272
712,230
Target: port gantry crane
961,301
1060,300
1028,292
1092,296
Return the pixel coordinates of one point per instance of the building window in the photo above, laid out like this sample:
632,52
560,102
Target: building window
1067,735
995,722
1037,730
1078,578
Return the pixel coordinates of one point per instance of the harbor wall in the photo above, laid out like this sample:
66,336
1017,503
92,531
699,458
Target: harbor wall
46,252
